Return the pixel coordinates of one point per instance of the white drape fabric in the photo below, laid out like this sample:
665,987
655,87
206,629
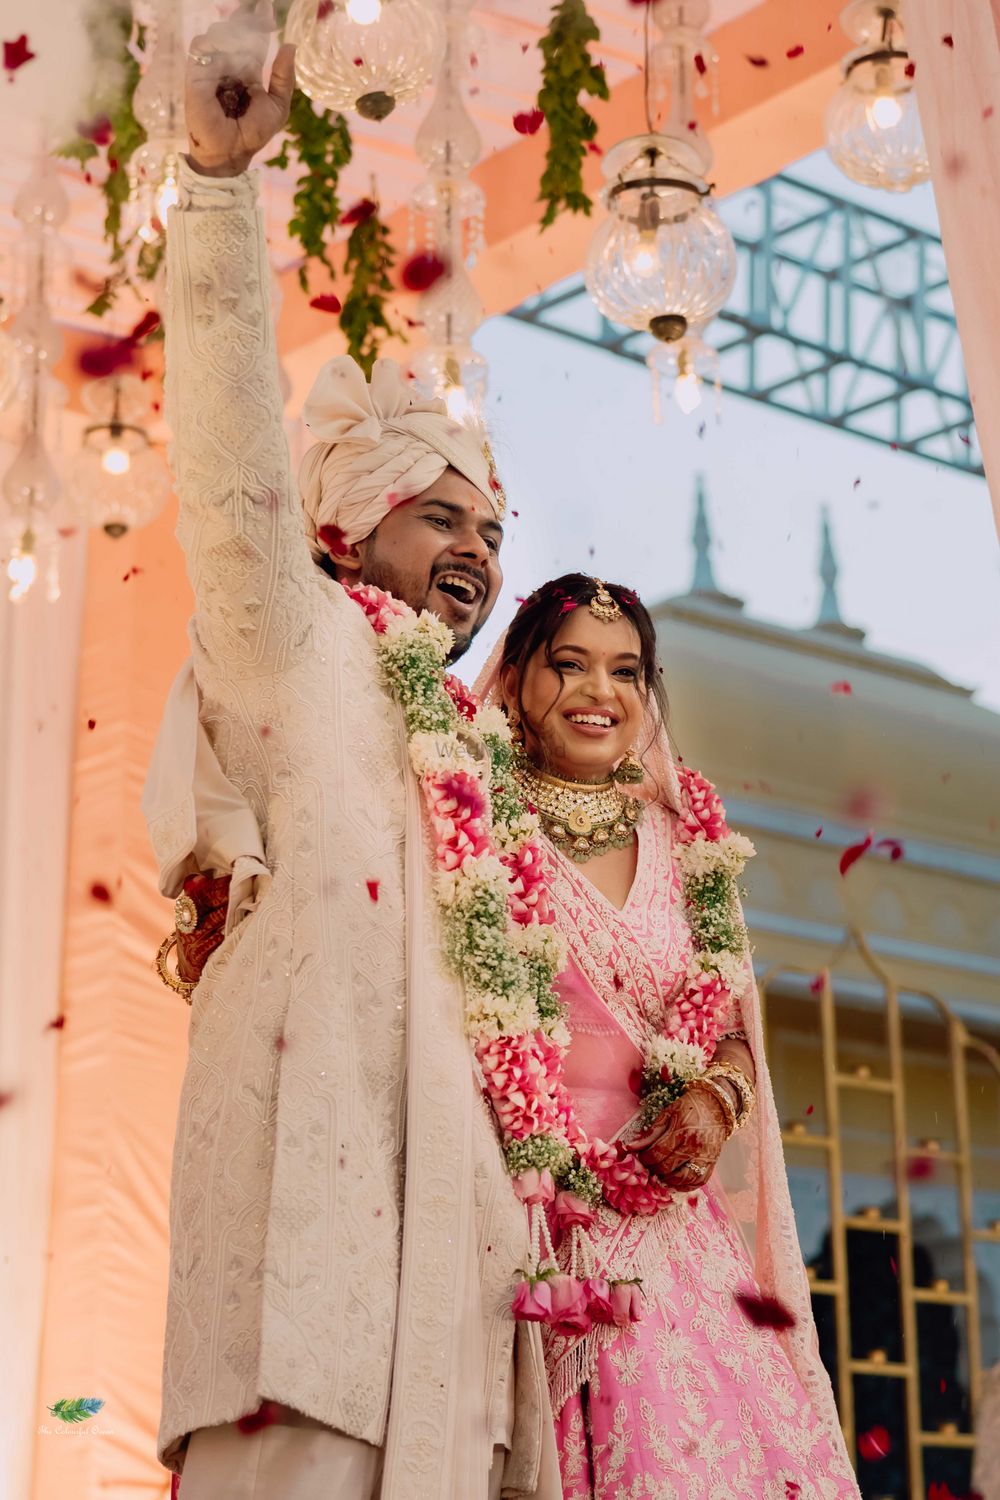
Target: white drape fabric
956,48
38,670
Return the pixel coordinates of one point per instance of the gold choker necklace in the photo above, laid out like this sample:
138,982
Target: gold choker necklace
581,818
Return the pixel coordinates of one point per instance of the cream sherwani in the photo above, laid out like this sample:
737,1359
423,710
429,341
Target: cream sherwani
327,1066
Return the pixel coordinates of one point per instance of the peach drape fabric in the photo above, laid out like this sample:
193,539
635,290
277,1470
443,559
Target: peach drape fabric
121,1051
956,47
37,739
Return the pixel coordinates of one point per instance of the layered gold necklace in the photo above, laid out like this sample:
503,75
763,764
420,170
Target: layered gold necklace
582,818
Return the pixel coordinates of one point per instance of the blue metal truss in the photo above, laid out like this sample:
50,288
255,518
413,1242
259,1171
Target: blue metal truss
839,314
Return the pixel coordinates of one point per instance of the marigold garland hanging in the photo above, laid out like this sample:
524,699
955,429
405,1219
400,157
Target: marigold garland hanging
567,72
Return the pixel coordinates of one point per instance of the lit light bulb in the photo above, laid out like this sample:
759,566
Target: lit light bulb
364,12
167,197
884,112
21,570
457,402
115,461
642,257
687,392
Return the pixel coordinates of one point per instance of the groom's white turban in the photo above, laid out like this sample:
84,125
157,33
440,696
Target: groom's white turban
380,444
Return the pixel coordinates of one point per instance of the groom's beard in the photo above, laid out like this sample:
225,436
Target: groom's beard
415,593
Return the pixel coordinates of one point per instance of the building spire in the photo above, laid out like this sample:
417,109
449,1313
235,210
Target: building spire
704,579
829,606
829,617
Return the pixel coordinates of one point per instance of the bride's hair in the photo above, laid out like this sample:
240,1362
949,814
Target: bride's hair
540,617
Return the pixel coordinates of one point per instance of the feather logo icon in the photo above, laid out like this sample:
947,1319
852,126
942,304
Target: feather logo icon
77,1411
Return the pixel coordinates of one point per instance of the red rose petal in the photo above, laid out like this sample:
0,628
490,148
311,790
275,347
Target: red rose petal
17,53
795,51
852,854
528,122
100,892
99,131
841,687
325,302
145,325
894,846
948,40
421,271
810,1108
107,357
757,62
819,832
333,539
764,1312
279,1044
792,1490
372,889
91,723
700,64
359,212
910,70
874,1444
323,9
919,1168
567,605
595,149
57,1024
253,1421
816,985
988,112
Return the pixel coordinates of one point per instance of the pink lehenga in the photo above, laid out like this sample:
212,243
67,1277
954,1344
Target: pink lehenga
695,1399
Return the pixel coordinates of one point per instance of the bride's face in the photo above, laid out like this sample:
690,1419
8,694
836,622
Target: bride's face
582,704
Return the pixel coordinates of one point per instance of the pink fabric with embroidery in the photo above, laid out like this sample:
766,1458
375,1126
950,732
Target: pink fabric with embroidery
693,1400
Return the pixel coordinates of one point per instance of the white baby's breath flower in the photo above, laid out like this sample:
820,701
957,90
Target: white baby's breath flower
736,850
492,720
432,753
490,1015
700,857
731,968
558,1031
437,631
684,1059
546,942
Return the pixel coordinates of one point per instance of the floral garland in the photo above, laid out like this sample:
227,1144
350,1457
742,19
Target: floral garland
499,938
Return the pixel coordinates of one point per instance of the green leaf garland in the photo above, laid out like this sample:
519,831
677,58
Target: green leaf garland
321,143
112,97
568,72
370,257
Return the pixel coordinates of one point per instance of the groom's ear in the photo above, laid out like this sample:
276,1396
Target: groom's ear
348,564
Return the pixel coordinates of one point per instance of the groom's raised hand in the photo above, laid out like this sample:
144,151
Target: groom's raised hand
230,114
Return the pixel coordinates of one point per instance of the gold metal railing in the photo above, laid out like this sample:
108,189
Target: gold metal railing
838,1086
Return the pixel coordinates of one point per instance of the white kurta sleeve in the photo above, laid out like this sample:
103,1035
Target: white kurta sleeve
240,520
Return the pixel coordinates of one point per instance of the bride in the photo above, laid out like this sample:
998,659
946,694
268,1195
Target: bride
680,1362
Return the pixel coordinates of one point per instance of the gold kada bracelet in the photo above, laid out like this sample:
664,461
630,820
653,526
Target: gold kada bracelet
184,987
720,1093
745,1091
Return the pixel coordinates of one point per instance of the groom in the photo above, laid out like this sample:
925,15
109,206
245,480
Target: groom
343,1232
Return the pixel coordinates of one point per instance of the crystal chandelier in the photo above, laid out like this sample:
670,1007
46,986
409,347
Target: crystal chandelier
158,104
873,131
365,55
31,486
119,480
663,262
451,208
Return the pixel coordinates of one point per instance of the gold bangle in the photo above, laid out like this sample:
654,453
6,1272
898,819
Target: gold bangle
173,981
745,1091
728,1106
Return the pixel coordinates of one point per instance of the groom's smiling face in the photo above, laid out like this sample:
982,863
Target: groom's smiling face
439,551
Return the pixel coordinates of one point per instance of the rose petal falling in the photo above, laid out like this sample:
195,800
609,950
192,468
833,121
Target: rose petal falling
326,302
528,122
875,1444
853,853
100,892
421,271
373,886
765,1312
359,212
16,54
756,62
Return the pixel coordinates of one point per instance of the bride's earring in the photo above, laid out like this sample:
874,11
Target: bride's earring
516,728
630,771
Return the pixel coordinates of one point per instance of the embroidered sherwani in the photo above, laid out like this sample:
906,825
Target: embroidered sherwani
327,1065
694,1400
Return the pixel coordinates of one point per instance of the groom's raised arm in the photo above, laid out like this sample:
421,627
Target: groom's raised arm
240,523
